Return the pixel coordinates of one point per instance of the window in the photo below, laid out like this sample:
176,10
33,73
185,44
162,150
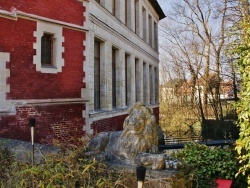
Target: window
150,30
114,7
126,12
114,53
137,26
97,84
156,73
145,83
128,83
151,84
47,49
144,24
156,36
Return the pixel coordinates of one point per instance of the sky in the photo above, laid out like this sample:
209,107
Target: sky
165,5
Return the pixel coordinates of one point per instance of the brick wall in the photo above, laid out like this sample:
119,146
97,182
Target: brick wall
57,121
63,122
115,123
62,10
109,124
156,112
25,82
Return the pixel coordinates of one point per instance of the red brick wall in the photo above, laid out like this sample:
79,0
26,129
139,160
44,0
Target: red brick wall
109,124
115,123
156,112
25,82
63,122
70,11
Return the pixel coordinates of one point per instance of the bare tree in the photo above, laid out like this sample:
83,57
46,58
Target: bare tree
183,53
202,21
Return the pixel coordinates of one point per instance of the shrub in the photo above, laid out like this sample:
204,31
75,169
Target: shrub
67,169
208,163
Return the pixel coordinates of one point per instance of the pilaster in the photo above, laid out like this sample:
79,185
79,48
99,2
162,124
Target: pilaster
146,88
152,85
90,71
109,75
120,95
140,18
132,15
139,80
104,51
107,5
156,70
132,80
121,10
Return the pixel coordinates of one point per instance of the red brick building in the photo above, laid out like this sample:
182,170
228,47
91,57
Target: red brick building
46,67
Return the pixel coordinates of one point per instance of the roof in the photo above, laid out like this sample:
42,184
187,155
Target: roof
157,8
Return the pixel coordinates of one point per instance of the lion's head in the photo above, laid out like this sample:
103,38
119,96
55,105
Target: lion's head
140,132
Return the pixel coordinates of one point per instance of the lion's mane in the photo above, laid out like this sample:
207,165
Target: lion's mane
140,132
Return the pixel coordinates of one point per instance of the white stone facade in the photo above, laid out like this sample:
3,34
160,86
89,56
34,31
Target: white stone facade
130,28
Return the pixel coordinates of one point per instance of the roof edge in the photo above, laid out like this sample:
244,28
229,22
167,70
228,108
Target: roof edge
157,8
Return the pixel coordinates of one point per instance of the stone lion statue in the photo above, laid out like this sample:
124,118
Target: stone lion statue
140,132
136,144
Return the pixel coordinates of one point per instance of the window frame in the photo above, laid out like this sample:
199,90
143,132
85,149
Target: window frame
58,48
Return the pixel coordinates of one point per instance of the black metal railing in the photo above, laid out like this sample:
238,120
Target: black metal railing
210,134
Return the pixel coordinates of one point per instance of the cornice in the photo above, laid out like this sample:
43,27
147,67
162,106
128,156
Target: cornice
109,29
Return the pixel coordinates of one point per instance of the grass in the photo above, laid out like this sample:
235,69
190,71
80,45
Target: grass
69,168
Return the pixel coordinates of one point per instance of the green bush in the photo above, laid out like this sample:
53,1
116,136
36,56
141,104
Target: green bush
208,163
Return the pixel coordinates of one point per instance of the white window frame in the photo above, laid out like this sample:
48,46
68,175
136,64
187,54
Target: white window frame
58,49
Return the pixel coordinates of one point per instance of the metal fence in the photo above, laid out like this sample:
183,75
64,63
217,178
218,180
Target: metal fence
211,133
